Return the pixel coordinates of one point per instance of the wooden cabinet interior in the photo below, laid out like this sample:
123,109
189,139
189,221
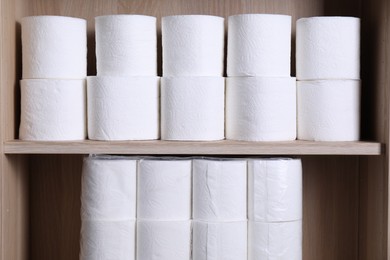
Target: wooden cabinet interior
345,197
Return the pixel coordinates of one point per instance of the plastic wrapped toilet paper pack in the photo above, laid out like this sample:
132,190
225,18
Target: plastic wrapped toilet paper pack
261,108
328,48
53,110
219,190
259,45
107,240
109,188
126,45
123,108
219,240
275,241
164,240
329,110
54,47
193,45
192,108
164,189
274,189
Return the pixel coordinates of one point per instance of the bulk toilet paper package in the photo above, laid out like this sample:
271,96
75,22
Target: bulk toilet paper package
163,224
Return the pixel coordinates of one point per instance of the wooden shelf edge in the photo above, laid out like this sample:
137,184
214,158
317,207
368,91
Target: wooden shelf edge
225,147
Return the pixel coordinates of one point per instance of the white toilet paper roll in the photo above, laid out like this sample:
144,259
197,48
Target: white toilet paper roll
193,45
219,240
107,240
328,48
109,188
260,109
126,45
275,189
275,241
54,47
53,110
219,190
164,240
164,189
259,45
329,110
192,108
123,108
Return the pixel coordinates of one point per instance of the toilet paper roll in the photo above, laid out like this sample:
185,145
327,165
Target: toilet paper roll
54,47
275,241
192,108
259,45
274,189
164,189
53,110
126,45
329,110
219,190
164,240
219,240
123,108
260,109
193,45
109,189
107,240
328,48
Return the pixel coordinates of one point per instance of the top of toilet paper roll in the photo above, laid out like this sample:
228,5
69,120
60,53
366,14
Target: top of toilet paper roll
328,47
191,16
240,16
125,16
328,18
68,19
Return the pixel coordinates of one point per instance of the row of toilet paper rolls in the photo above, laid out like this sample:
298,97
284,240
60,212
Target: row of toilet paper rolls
190,108
193,45
139,208
123,101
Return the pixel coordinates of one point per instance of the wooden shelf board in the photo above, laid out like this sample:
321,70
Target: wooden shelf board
225,147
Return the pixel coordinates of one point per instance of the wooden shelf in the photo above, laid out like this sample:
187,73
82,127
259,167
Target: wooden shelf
199,148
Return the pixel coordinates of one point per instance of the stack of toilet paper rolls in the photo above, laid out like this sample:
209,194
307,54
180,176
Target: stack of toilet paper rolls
164,209
260,94
53,94
219,209
123,99
328,73
108,208
275,209
192,87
